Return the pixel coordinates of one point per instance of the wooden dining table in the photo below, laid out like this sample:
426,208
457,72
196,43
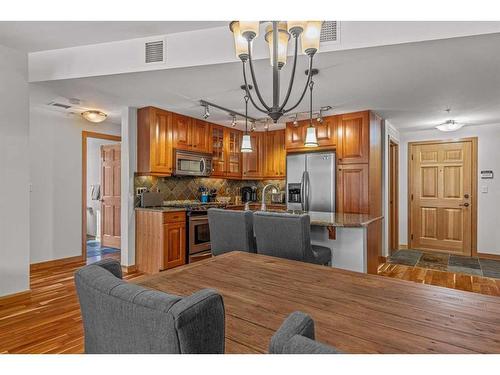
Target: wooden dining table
354,312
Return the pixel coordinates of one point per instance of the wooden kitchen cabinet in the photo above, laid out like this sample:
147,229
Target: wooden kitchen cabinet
326,133
253,162
200,136
295,135
353,138
190,134
233,152
154,142
352,188
275,154
218,151
160,240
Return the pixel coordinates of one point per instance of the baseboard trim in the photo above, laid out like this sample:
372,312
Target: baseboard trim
488,256
54,263
403,246
128,269
15,297
382,259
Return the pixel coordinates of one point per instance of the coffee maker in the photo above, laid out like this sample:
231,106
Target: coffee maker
249,194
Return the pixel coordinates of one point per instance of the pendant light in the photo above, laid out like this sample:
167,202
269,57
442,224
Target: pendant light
246,144
311,139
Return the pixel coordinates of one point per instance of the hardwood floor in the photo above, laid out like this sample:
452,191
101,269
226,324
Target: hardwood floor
460,281
49,321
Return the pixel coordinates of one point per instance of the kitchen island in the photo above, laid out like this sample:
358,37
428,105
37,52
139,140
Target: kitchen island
354,239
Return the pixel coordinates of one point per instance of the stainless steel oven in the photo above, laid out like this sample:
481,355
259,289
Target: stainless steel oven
198,235
192,163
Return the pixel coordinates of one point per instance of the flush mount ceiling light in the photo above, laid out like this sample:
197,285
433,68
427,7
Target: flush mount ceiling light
94,116
277,36
246,143
450,125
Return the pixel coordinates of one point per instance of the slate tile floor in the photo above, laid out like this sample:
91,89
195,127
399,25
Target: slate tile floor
446,262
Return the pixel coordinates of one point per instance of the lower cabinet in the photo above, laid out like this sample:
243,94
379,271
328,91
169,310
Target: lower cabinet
160,240
352,188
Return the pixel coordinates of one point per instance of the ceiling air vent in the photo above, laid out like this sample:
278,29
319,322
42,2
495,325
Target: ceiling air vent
155,52
60,105
329,31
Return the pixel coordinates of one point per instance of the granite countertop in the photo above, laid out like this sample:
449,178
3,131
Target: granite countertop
338,219
161,209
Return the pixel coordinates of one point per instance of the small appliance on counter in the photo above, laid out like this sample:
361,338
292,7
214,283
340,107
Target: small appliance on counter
278,198
151,199
249,194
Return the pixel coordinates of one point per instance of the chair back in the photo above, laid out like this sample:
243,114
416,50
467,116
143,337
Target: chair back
283,235
231,230
119,317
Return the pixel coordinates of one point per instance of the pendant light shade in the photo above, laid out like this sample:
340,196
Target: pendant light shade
283,38
249,29
240,43
246,144
311,139
310,37
296,27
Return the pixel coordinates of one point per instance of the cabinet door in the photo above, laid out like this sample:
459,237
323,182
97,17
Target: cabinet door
182,131
326,131
174,244
199,137
218,154
280,152
161,153
353,129
352,188
252,161
233,152
295,135
270,165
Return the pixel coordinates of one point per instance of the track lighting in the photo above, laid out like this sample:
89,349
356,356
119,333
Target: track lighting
207,112
233,123
296,120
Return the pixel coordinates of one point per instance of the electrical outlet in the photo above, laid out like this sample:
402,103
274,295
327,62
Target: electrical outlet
484,189
140,190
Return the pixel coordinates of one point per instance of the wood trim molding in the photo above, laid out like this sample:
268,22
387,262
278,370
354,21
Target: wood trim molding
488,256
15,297
85,135
403,246
129,269
474,167
55,263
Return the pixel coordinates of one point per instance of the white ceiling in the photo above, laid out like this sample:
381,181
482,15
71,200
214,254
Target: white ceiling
408,84
30,36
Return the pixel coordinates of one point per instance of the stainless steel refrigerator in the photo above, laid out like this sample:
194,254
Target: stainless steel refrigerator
310,181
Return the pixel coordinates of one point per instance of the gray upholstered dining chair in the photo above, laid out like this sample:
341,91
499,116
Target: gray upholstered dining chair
231,230
288,236
120,317
296,336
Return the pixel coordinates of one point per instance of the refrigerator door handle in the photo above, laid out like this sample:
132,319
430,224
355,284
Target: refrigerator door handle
306,191
302,191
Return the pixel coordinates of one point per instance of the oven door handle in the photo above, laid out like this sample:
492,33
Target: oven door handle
199,218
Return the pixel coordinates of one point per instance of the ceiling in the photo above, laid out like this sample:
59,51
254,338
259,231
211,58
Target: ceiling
25,35
410,85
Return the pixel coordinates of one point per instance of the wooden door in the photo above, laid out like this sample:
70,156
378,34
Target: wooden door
161,151
352,188
181,131
353,138
233,152
393,196
174,242
253,161
440,196
200,136
218,151
110,195
295,135
326,132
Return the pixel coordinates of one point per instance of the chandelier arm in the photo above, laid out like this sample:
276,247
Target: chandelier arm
248,91
292,79
256,87
305,88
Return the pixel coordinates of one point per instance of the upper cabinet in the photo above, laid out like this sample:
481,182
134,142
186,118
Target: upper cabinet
233,152
326,133
154,141
190,134
353,138
253,162
275,154
225,145
218,151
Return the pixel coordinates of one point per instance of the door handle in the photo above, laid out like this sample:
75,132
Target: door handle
464,205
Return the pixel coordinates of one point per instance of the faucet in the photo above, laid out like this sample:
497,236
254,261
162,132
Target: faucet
263,205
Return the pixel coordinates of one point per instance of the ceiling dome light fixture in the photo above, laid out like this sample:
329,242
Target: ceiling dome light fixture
246,143
450,125
94,116
277,36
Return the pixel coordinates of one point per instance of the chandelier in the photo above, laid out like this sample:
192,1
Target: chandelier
277,36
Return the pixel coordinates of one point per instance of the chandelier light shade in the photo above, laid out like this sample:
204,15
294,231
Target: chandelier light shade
283,38
278,35
94,116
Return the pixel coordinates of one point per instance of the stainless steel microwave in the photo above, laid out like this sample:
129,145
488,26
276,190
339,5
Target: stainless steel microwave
192,163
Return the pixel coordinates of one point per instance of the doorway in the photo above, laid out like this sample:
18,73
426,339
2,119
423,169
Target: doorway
101,174
393,196
442,196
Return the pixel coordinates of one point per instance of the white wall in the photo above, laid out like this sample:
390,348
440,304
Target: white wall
488,235
56,177
94,178
14,172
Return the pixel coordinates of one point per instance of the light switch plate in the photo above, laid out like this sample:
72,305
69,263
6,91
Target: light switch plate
484,189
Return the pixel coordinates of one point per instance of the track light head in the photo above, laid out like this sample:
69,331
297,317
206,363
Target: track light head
207,112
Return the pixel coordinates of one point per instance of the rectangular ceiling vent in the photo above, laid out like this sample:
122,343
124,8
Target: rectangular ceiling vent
329,32
60,105
155,52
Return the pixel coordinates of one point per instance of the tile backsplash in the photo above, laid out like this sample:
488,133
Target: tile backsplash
186,188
